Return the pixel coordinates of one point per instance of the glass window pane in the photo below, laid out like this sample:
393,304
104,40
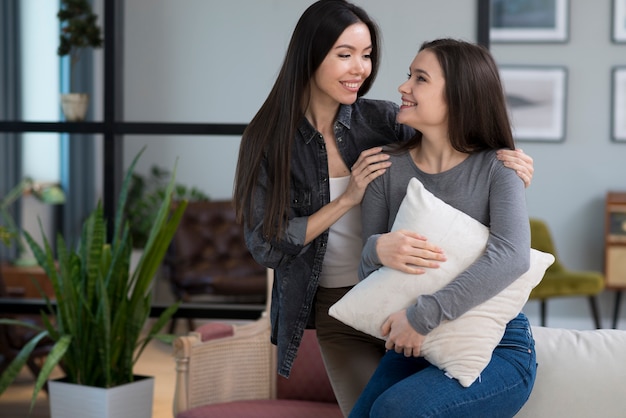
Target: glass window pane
39,61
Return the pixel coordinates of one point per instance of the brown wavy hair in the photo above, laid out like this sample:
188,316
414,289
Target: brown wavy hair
477,113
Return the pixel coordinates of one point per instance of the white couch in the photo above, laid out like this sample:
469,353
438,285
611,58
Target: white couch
580,374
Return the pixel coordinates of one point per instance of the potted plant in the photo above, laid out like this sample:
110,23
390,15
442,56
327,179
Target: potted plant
99,318
79,31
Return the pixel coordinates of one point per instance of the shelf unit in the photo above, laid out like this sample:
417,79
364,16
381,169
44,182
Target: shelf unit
615,247
615,240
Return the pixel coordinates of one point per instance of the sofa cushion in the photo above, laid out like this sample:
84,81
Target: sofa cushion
266,408
215,330
579,374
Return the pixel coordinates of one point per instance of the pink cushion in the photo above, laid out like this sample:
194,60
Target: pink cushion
265,409
215,330
308,379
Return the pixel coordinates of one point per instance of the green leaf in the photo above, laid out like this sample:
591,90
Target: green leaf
19,361
157,326
52,360
17,322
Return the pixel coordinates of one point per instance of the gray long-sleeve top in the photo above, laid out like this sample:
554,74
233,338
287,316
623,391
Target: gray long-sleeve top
484,189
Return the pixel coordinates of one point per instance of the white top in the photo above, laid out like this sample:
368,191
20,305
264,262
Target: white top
343,251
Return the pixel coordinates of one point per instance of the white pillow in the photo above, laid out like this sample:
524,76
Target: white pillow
461,347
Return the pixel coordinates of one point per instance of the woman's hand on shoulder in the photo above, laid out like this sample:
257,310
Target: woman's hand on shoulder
408,252
519,161
372,163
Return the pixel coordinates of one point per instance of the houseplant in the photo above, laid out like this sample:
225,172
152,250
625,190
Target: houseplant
47,193
101,306
145,193
79,31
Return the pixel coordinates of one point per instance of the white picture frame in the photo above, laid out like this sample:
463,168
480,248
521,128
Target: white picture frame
618,113
529,21
536,100
619,21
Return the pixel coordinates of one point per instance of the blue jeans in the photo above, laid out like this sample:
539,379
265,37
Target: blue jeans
412,387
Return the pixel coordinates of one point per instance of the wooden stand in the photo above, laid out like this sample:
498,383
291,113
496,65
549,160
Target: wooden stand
615,247
21,278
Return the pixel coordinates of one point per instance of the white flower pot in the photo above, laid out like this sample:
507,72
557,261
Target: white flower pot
75,106
130,400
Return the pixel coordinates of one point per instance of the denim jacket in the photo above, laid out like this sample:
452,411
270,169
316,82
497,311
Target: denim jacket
362,125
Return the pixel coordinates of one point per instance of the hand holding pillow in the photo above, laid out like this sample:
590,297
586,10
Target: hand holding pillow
462,347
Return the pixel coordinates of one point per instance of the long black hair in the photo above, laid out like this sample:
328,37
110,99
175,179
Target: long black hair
270,134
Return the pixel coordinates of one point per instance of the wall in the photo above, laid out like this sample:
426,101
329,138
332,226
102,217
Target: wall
198,61
572,177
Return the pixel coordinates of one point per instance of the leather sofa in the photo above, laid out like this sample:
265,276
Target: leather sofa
208,259
208,256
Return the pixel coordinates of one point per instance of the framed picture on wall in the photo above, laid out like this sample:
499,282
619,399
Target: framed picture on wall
619,104
529,21
619,21
536,100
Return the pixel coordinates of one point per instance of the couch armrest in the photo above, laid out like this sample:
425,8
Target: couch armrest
237,367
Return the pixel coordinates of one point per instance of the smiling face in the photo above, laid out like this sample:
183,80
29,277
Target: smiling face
423,95
346,66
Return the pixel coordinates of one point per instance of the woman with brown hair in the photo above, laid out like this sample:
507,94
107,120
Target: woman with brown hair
453,98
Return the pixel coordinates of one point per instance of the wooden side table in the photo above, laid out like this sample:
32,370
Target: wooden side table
615,247
22,278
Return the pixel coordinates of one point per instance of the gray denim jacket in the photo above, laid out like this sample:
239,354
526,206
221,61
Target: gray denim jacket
365,124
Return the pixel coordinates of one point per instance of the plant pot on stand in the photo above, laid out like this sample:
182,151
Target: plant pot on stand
79,31
75,106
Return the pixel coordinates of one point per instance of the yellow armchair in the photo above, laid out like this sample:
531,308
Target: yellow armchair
560,281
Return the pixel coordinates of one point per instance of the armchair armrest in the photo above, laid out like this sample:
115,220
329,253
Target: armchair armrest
224,368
